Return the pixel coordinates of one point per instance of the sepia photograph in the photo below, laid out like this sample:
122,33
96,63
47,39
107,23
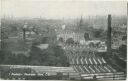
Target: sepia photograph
63,40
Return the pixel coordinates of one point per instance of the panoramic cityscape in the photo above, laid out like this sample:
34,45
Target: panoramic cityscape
63,40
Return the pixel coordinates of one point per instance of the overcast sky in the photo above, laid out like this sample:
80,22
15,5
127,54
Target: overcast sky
63,8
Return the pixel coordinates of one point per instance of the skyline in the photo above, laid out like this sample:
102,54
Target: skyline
62,9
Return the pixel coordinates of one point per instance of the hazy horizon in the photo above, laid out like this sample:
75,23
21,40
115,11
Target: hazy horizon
56,9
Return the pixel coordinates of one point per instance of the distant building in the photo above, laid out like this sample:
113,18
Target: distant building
29,34
118,32
70,34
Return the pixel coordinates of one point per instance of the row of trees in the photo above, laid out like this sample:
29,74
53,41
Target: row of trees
52,56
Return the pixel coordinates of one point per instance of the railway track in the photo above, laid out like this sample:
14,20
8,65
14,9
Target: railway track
88,64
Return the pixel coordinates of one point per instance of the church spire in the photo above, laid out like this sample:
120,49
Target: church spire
80,23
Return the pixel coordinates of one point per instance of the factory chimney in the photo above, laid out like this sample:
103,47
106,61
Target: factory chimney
109,36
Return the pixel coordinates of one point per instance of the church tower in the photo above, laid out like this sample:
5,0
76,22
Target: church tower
80,24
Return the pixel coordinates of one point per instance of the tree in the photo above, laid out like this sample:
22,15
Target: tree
52,56
91,44
86,36
124,38
70,41
98,33
45,40
61,39
5,56
35,55
123,50
76,43
2,55
21,59
14,27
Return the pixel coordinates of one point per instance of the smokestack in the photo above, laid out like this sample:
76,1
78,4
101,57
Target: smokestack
109,36
24,31
24,34
2,36
1,42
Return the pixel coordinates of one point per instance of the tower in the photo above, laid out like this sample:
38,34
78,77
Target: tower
80,23
109,35
24,31
3,33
